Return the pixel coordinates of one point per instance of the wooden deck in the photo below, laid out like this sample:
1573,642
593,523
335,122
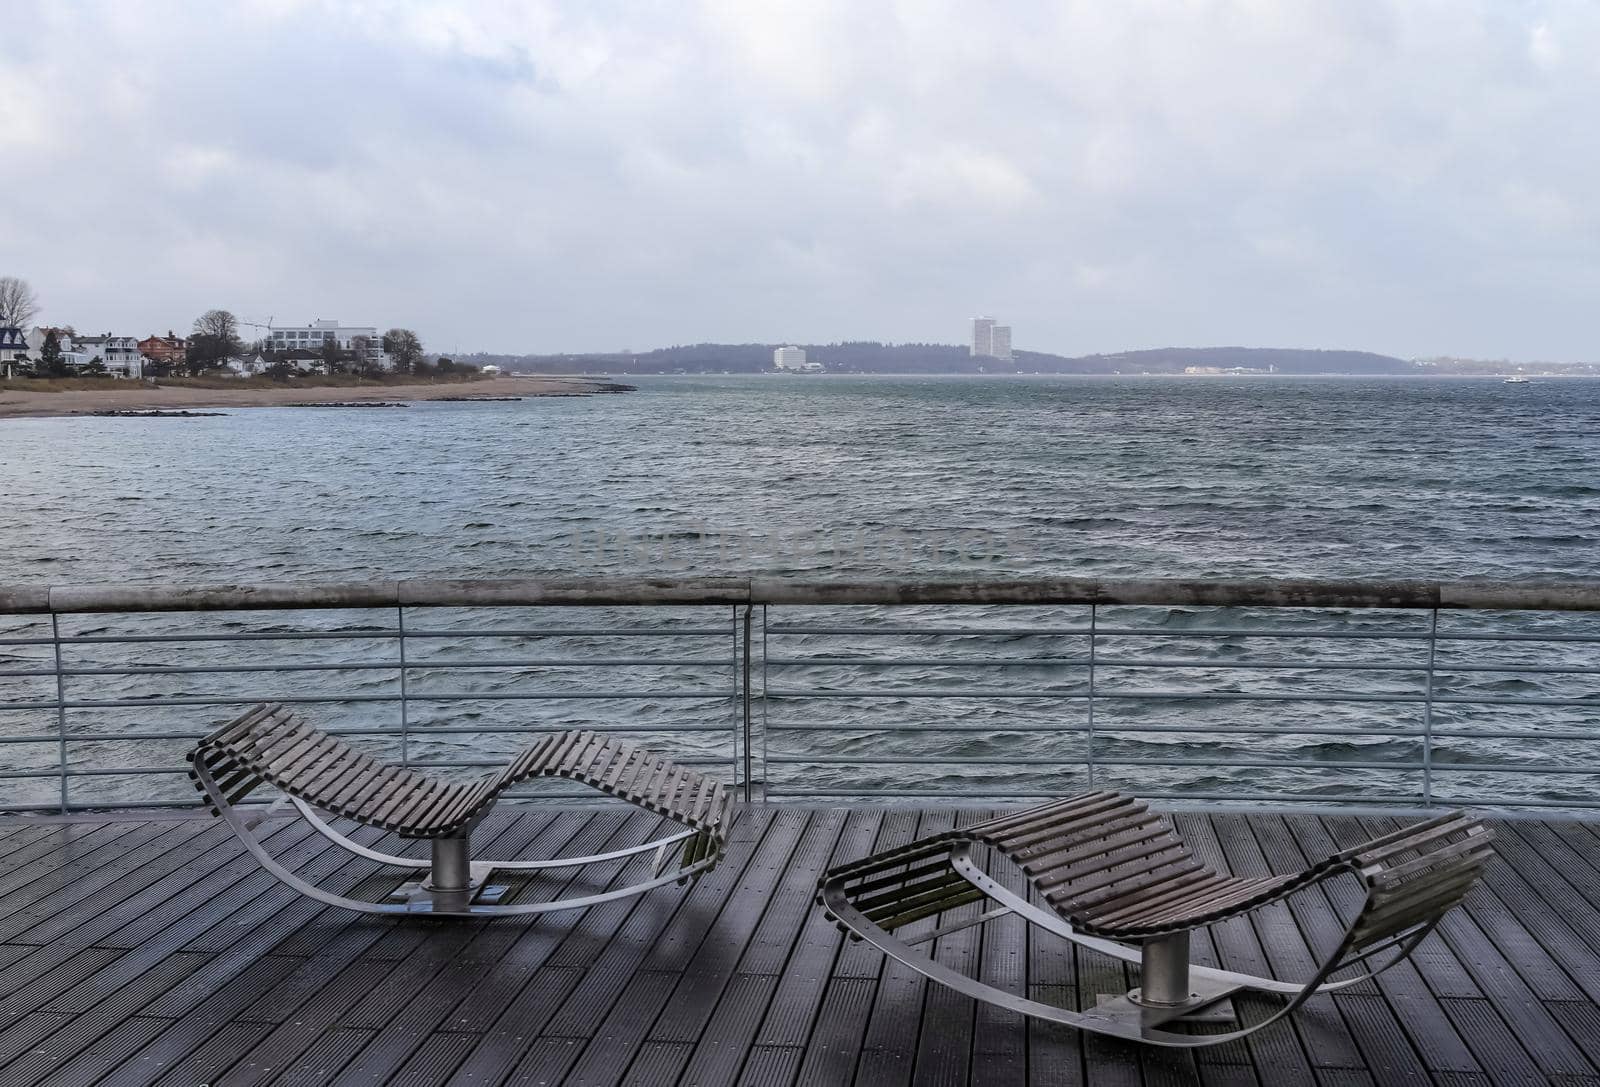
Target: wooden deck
147,950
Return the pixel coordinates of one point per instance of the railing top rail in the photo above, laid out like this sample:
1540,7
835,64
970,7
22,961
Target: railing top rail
1466,593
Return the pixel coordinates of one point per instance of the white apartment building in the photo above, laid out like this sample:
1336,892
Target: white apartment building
1000,342
989,340
118,354
982,337
789,358
311,337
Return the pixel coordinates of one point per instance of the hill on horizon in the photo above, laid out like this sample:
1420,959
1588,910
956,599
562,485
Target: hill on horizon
870,357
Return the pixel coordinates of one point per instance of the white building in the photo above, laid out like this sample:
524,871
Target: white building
982,337
118,354
989,340
789,358
311,338
36,340
238,366
1000,342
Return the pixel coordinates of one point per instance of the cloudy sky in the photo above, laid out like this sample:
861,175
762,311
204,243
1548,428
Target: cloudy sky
1409,177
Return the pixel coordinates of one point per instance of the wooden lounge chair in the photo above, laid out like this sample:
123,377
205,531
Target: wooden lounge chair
1115,877
269,745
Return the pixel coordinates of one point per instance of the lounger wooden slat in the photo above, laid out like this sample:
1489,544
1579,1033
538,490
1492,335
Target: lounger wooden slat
1115,877
269,745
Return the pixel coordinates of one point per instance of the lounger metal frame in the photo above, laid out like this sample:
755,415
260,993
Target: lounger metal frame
455,885
1413,877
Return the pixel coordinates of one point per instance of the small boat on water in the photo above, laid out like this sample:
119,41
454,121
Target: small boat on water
1518,379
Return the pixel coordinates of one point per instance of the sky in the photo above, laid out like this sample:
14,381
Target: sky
1415,177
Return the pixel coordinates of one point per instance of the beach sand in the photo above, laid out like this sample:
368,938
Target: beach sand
126,396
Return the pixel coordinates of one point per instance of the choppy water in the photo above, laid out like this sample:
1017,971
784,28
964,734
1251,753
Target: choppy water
845,477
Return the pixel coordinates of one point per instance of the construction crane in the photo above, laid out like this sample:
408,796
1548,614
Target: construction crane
267,338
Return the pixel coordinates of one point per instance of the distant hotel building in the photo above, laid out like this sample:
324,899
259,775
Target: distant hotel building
789,358
989,340
982,336
311,337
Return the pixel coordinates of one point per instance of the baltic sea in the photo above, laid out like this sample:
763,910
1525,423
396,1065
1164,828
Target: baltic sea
843,476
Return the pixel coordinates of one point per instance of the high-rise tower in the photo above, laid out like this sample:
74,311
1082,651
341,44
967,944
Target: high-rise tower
982,336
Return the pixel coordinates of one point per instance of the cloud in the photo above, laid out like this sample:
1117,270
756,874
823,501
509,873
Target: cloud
1398,176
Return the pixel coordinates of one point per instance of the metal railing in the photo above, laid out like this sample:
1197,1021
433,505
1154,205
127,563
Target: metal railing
1395,694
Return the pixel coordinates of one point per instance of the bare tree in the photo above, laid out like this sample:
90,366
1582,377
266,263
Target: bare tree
403,348
361,355
18,304
215,339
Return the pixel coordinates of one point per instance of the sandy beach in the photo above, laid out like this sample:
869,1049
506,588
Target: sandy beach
121,396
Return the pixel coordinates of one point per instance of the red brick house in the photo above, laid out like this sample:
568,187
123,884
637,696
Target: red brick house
169,349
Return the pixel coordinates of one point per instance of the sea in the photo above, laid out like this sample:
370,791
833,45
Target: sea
842,476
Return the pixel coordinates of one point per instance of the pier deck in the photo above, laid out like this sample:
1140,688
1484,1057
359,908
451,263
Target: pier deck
150,949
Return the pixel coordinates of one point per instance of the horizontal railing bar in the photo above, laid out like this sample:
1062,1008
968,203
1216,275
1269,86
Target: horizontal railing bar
417,732
1055,794
1099,631
564,632
365,666
1194,665
1109,731
442,665
1513,768
1177,802
1486,594
1099,662
1192,696
241,700
1192,763
1355,802
1103,729
136,771
371,633
1193,632
941,760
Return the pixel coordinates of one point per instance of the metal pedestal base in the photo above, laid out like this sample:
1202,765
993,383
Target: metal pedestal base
423,896
1206,1007
1168,993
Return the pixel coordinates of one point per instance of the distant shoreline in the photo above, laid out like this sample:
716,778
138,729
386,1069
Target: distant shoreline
127,396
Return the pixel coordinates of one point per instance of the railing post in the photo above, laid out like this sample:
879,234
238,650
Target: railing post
736,730
749,756
765,769
1427,712
61,708
1089,752
405,717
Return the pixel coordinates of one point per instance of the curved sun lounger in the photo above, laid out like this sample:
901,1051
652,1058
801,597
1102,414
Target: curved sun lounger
269,745
1116,878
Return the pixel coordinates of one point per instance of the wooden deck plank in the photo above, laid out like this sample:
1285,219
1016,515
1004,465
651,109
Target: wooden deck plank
437,984
731,1030
622,974
894,1026
172,959
1513,988
513,1030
